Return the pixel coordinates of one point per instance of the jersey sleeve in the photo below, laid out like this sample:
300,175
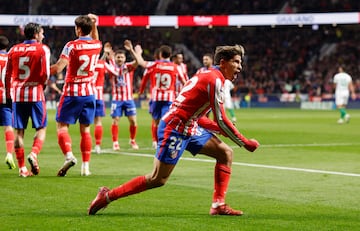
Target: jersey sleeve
65,53
110,68
181,75
209,124
8,77
144,80
227,128
47,61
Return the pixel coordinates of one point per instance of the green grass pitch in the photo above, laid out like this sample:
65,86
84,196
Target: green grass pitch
304,176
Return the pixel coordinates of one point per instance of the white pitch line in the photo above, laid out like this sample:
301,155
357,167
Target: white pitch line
305,145
245,164
286,145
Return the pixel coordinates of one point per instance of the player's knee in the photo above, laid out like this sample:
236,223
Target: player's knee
229,153
225,155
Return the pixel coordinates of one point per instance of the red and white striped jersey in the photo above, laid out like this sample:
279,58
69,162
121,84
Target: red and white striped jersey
145,78
82,54
179,85
99,75
29,68
3,62
202,93
163,75
121,80
201,69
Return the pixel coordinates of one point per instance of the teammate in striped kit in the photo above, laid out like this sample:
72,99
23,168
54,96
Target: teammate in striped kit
208,61
28,69
5,106
186,127
178,59
122,74
77,101
99,75
163,75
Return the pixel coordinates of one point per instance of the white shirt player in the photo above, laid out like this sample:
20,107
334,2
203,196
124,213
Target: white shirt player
228,86
342,92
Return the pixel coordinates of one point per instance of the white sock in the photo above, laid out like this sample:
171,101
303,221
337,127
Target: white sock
69,155
85,165
215,205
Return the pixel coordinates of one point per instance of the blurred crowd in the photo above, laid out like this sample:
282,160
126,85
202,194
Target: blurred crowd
286,59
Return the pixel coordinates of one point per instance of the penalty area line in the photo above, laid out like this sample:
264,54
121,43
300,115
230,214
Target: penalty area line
247,164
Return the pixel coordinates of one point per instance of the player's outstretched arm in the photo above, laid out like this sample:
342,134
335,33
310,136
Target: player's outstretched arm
108,52
94,32
58,66
226,126
137,55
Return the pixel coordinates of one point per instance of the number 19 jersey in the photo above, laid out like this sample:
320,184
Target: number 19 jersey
163,75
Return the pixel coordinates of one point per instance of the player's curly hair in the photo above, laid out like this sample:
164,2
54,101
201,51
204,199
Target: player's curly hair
227,52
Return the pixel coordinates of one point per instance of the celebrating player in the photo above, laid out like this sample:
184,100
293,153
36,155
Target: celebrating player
185,127
208,61
163,75
28,70
122,74
178,58
6,106
77,101
99,75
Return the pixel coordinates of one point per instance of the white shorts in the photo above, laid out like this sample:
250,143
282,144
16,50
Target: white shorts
342,99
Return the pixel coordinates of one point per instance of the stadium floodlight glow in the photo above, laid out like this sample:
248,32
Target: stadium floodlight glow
315,27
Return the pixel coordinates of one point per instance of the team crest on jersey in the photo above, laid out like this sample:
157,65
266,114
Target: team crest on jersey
125,71
199,131
174,154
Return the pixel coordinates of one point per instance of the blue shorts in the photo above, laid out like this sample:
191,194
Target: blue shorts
34,110
119,107
150,103
73,108
5,115
100,108
172,144
159,108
